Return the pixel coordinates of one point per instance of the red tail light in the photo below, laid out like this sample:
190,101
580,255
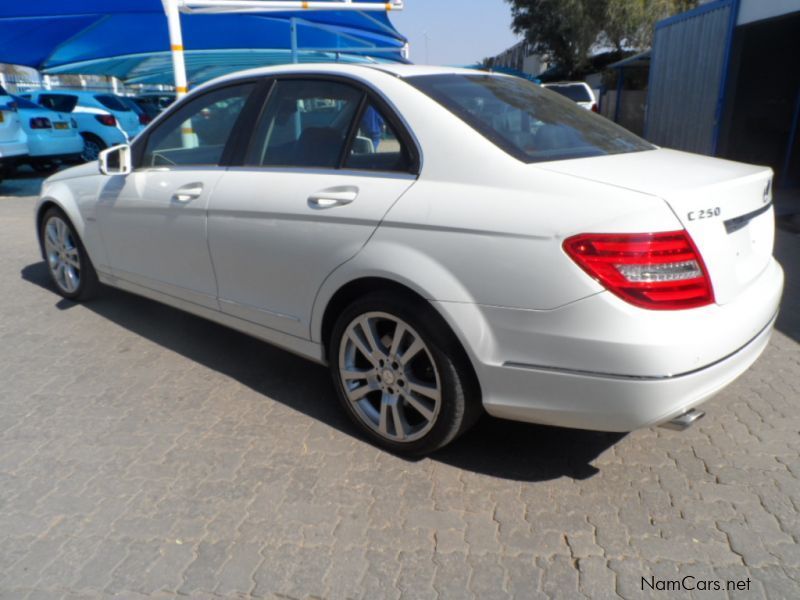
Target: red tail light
659,271
595,108
109,120
144,119
41,123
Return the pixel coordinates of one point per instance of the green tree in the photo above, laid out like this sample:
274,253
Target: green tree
565,31
630,24
562,30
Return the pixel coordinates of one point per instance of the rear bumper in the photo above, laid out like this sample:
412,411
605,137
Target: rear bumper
602,364
604,403
11,151
54,147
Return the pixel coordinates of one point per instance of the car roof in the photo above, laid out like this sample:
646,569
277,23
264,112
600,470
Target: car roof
551,83
79,93
359,70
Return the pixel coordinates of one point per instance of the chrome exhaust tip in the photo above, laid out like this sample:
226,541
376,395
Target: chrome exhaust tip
684,421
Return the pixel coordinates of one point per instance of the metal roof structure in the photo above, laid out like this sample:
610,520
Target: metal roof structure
130,40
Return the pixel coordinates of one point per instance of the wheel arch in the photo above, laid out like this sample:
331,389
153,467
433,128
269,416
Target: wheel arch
358,287
68,208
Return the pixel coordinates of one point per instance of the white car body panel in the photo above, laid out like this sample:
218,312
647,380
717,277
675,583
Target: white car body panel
173,257
85,116
52,142
13,141
248,232
479,234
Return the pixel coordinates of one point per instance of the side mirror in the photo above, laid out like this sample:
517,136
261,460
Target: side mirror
116,160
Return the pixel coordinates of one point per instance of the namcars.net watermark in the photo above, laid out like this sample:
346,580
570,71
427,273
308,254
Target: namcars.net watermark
690,583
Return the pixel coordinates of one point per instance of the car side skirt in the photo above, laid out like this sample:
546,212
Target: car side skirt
304,348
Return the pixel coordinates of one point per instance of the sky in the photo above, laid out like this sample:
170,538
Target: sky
459,32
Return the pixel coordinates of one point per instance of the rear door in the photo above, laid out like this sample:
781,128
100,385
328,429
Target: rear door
325,164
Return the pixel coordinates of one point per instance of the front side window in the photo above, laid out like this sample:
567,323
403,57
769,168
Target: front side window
64,103
197,133
305,124
529,123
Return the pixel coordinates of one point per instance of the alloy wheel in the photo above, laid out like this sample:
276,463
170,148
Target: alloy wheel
91,150
63,257
389,377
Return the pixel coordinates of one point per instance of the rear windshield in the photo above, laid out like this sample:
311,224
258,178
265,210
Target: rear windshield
23,103
131,104
112,102
525,120
58,102
575,92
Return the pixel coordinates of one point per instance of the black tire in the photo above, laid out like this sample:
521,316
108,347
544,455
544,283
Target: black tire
87,281
460,404
92,145
43,166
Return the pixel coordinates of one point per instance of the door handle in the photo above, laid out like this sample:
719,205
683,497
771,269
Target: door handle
336,196
188,192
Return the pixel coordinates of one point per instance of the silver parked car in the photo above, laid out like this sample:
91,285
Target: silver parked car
449,242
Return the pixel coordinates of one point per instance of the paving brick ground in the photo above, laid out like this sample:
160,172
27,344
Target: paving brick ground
148,453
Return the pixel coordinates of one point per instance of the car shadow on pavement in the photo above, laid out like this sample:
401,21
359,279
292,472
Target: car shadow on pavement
23,182
493,447
787,251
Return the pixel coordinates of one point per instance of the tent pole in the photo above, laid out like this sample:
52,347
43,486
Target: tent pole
293,32
176,46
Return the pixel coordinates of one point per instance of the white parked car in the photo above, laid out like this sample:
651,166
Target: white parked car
449,242
99,126
51,136
13,141
577,91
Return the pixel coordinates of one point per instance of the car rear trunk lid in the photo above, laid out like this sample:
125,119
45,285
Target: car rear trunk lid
725,206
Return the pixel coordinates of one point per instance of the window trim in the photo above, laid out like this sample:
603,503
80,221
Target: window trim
369,94
139,145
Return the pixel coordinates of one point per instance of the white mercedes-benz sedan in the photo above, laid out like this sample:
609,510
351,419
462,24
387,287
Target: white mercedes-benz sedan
449,241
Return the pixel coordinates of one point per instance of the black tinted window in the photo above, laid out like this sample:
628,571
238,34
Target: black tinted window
576,93
112,102
305,124
198,132
525,120
376,145
24,103
58,102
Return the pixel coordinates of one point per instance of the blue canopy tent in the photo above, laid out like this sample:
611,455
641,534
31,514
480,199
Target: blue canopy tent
130,40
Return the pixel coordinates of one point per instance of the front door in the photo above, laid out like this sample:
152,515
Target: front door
153,221
323,168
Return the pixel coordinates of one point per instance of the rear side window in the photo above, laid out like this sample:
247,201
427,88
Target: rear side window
59,102
376,146
576,93
304,124
111,102
198,132
526,121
